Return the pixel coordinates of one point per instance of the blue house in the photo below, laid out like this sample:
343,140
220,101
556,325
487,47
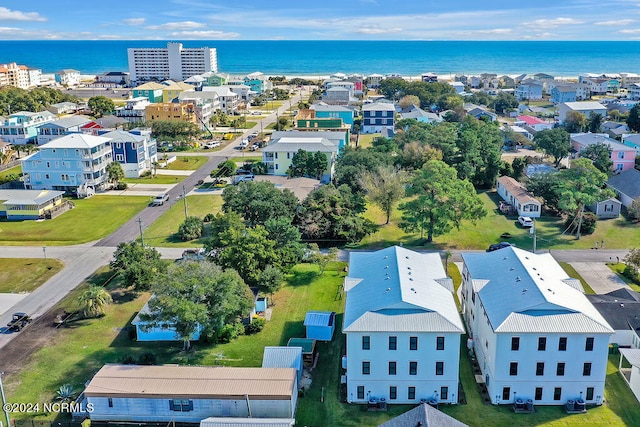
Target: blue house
563,93
22,127
378,116
320,325
325,111
283,357
166,332
135,150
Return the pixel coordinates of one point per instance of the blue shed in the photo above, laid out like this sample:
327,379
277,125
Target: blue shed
320,325
283,357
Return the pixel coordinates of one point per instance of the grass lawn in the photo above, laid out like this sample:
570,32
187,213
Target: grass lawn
618,269
617,233
158,179
91,219
16,170
163,231
187,163
26,274
573,273
246,158
366,139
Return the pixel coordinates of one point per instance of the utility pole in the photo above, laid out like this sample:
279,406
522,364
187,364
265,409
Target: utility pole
533,231
4,402
184,199
141,234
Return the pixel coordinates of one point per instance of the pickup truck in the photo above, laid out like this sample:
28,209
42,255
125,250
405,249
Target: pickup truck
18,321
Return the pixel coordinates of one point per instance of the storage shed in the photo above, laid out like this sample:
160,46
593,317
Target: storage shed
320,325
308,348
283,357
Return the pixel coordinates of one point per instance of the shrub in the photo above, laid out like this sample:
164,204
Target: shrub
191,228
589,221
631,273
122,186
209,217
147,358
145,174
256,325
127,359
229,332
634,210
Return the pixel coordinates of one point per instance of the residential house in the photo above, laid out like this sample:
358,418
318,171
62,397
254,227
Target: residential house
429,77
629,368
377,116
257,82
244,92
68,77
519,130
148,332
308,120
19,76
373,80
342,84
188,394
417,113
334,111
620,309
61,127
72,163
110,122
22,127
585,107
457,86
608,208
628,79
221,96
153,91
534,333
507,82
337,95
284,357
171,111
119,78
134,110
135,150
172,90
29,204
423,415
615,130
626,185
634,91
529,89
203,110
517,195
196,81
563,93
320,325
632,140
358,83
462,78
216,79
475,82
622,156
478,112
535,124
601,85
63,108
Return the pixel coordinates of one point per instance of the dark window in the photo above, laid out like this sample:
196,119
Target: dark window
393,343
177,405
515,343
413,368
439,368
557,393
588,346
542,343
110,403
366,342
393,392
586,369
440,343
538,395
540,368
589,393
506,393
411,393
366,368
413,343
562,344
560,369
360,392
444,393
392,368
513,368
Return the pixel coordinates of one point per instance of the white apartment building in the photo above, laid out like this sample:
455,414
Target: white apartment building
402,328
535,334
19,76
174,62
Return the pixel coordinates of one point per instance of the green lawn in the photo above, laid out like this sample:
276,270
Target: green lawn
91,219
618,269
573,273
163,231
188,163
617,233
246,158
158,179
366,139
16,170
26,274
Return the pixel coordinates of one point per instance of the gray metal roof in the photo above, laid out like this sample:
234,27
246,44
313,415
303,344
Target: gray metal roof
294,143
76,140
526,292
632,355
425,416
247,422
395,289
28,197
378,106
123,136
67,122
627,183
282,357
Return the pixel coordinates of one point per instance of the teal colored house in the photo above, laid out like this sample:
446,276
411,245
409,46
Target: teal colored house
151,90
334,111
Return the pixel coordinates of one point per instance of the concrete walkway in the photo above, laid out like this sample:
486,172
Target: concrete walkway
599,276
174,172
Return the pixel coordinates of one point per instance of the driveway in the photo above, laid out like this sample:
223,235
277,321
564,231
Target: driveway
600,277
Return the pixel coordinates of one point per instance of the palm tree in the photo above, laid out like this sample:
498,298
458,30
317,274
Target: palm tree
94,301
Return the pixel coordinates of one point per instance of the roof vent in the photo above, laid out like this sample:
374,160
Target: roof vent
407,257
386,267
388,289
386,256
505,258
411,278
526,257
524,291
414,290
542,278
518,279
512,268
533,268
621,305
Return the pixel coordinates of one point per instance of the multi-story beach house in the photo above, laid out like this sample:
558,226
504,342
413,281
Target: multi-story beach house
68,77
373,80
308,120
324,111
134,109
135,150
171,111
529,89
402,328
174,62
172,90
221,97
72,163
378,116
153,91
61,127
622,156
22,127
585,107
534,333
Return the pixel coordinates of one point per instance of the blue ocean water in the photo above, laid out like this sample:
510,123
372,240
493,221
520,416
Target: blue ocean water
560,58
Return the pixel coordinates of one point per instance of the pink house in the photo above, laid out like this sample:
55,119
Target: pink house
622,156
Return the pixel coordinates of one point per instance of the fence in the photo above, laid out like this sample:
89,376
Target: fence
9,165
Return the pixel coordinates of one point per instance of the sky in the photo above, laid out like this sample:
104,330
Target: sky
320,20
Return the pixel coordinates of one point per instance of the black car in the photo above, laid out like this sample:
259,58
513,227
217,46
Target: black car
500,245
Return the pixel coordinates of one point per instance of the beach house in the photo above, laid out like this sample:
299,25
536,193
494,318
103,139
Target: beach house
626,185
378,116
585,107
68,77
622,156
517,196
61,127
529,89
22,127
135,150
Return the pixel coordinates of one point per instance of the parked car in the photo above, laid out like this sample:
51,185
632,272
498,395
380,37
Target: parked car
18,321
212,144
244,143
525,221
242,178
500,245
254,147
160,199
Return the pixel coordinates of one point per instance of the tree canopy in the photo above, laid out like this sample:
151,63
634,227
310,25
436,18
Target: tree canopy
600,155
101,105
441,95
633,121
174,130
308,164
554,142
575,121
384,187
259,201
139,266
13,99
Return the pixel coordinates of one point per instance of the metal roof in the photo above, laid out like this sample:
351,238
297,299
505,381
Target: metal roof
398,291
517,190
247,422
526,292
28,197
68,122
76,140
311,143
192,382
123,136
586,139
632,355
319,318
378,106
282,357
425,416
584,105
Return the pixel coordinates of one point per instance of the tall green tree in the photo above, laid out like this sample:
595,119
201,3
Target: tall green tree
259,201
600,155
138,265
519,164
271,280
441,201
191,228
94,301
101,105
115,173
384,187
633,121
594,123
553,142
504,103
478,152
575,121
351,162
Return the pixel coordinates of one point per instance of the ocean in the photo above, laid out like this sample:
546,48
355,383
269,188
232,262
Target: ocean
409,58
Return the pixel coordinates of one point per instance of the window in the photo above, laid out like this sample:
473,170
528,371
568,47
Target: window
110,402
411,393
538,394
542,343
366,368
366,342
540,368
439,343
393,343
393,392
444,393
46,176
586,369
360,392
621,154
515,343
413,368
48,164
119,158
560,369
506,393
589,393
288,155
178,405
562,344
513,368
557,393
588,346
413,343
439,368
392,368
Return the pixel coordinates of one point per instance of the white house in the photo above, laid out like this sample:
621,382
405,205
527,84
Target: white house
68,77
585,107
402,328
535,334
620,309
529,89
630,371
514,193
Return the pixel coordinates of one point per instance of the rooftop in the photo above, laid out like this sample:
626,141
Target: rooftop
627,182
76,140
584,105
517,190
586,139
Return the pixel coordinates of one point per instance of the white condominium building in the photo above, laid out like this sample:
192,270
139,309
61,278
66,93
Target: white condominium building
173,62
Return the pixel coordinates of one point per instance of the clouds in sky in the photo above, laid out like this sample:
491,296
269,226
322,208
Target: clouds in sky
333,20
